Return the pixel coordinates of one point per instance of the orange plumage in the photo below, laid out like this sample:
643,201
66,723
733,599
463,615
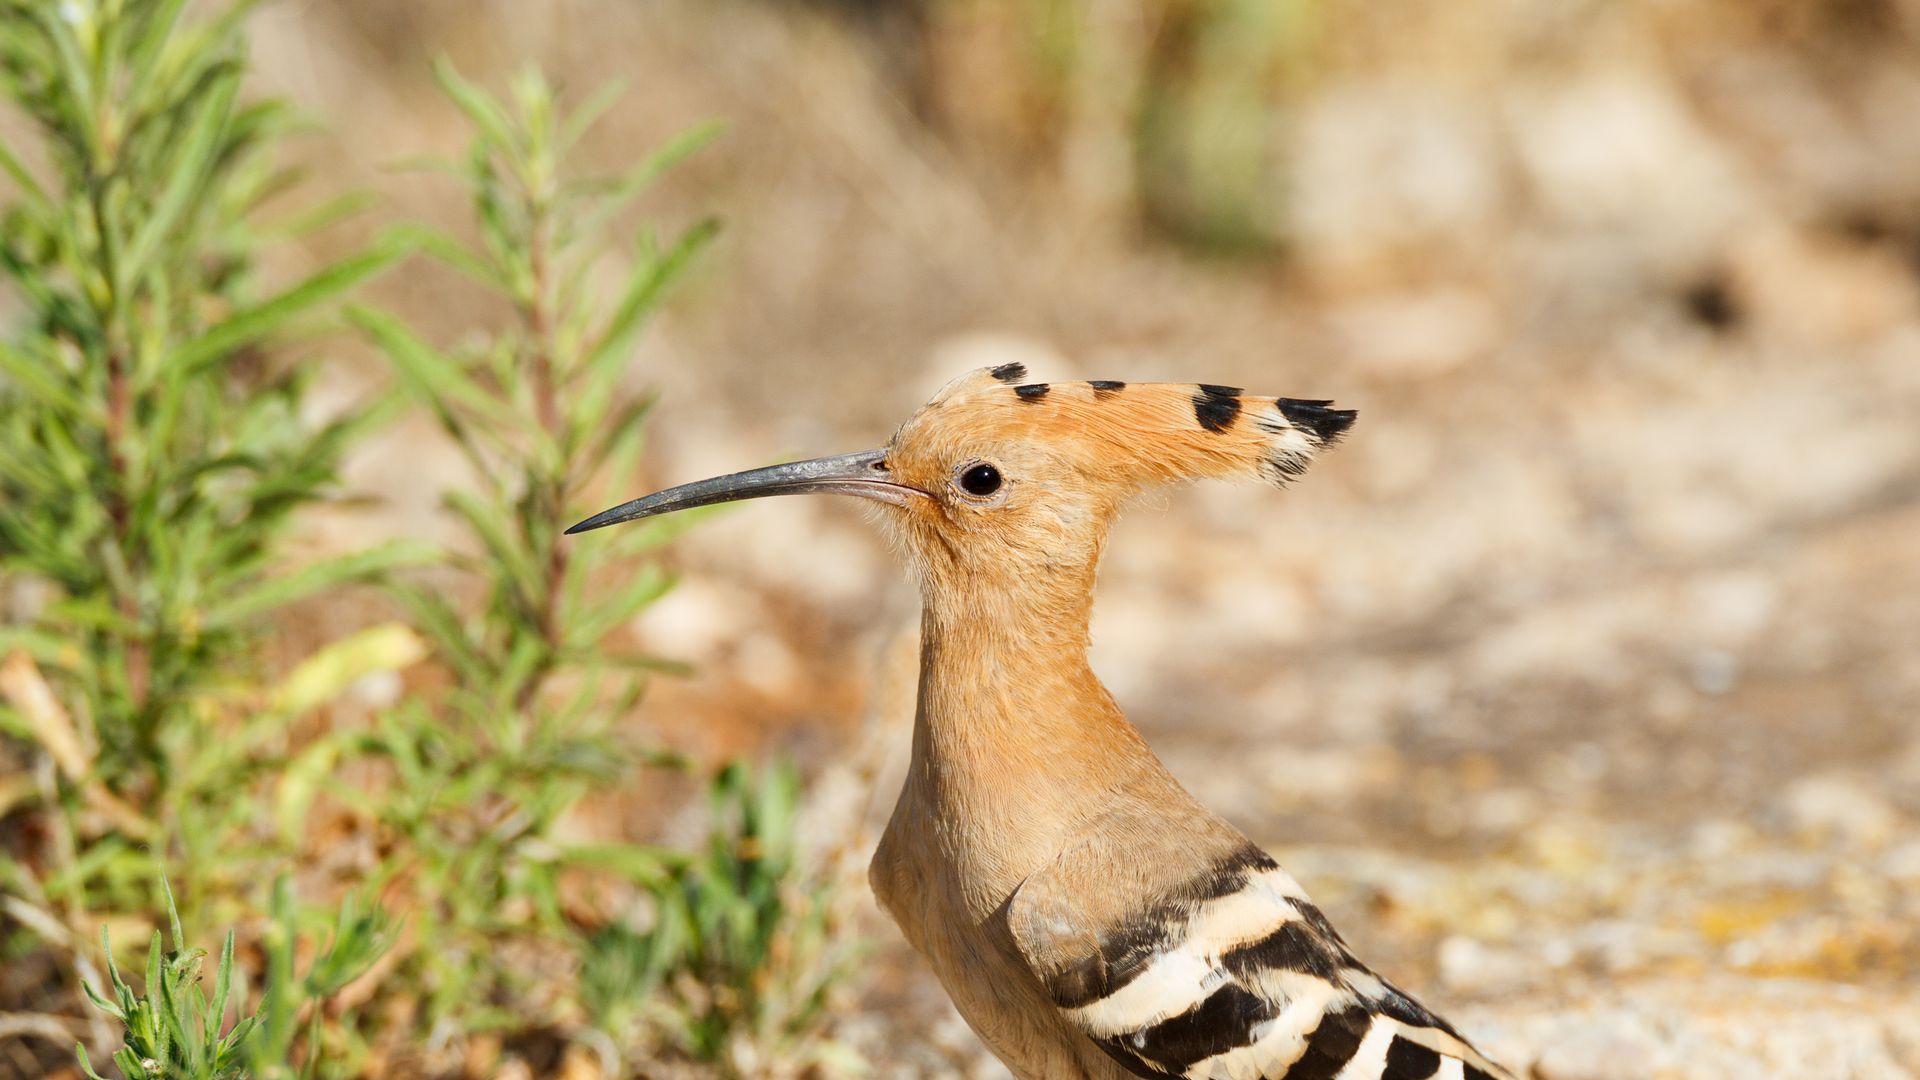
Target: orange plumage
1089,917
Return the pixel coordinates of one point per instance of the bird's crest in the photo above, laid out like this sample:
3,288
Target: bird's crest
1143,433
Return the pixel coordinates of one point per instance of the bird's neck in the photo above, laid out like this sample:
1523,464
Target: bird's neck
1010,710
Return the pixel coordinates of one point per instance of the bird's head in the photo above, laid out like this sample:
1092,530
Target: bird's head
999,484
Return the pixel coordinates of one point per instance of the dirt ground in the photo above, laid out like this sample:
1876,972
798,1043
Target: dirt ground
1579,685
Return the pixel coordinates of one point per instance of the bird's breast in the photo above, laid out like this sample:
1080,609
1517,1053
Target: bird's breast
955,918
960,863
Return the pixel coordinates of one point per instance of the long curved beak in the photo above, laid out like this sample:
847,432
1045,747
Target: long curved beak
863,474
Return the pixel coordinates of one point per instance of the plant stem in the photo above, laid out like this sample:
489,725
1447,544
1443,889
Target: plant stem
548,491
119,392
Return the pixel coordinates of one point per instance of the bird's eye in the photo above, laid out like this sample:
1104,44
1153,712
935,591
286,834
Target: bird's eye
982,479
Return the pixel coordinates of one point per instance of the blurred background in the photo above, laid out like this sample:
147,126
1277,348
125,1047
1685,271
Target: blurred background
1579,685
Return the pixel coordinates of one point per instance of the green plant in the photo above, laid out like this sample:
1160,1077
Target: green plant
745,948
173,1031
153,453
484,771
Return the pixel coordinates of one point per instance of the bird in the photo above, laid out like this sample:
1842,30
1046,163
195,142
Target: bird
1086,914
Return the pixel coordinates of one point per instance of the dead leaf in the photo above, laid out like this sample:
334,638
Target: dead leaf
27,690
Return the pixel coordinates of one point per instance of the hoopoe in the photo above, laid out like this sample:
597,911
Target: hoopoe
1087,915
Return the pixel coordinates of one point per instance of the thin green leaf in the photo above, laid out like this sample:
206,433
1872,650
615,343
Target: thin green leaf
101,1003
86,1065
635,862
222,987
186,175
313,219
614,444
42,377
435,378
586,629
643,292
77,77
156,974
635,180
435,615
512,556
47,648
284,589
149,47
242,328
446,249
30,188
173,915
113,969
482,110
587,114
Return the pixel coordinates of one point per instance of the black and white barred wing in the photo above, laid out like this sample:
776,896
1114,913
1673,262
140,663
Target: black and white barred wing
1237,976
